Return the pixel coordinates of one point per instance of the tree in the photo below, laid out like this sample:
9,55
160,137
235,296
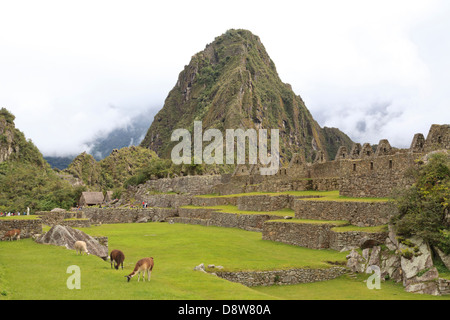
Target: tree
424,207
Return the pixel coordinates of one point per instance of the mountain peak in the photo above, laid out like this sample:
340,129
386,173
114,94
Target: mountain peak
231,84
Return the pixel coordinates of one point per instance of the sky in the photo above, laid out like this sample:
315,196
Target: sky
72,70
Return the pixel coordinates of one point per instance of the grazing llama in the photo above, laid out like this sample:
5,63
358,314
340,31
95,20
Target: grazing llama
117,257
80,246
143,265
11,234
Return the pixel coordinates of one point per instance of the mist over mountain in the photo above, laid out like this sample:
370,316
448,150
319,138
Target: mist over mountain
26,179
131,135
103,144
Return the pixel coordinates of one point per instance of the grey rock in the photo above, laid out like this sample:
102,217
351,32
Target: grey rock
444,257
430,275
200,267
419,262
142,220
374,259
355,262
66,236
391,267
366,254
423,287
390,245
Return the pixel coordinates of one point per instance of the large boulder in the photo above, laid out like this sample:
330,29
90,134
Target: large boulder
66,236
355,262
391,267
407,260
416,257
444,257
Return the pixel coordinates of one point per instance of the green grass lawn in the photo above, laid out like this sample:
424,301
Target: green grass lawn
381,228
235,210
21,217
324,196
311,221
33,271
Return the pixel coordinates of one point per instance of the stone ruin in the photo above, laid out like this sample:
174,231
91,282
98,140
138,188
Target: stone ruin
360,172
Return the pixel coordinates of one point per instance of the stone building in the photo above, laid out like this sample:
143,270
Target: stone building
362,172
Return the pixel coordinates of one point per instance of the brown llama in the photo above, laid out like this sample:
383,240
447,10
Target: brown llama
11,234
143,265
117,257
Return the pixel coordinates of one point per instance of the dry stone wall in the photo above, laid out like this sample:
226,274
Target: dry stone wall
214,201
376,176
64,218
363,214
76,223
309,235
249,222
117,215
193,185
282,277
264,202
358,173
318,235
325,169
211,217
276,183
198,213
354,239
28,227
166,200
444,286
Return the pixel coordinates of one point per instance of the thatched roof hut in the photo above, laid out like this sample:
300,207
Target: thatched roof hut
91,199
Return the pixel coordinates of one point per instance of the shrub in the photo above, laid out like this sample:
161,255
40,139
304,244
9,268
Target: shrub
423,208
407,254
9,117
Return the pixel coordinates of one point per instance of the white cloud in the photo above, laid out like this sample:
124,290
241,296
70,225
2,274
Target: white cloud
375,69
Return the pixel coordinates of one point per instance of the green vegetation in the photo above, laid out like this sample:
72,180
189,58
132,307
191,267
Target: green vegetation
382,228
315,195
8,116
332,196
235,210
176,248
131,166
21,217
163,168
26,179
24,185
311,221
424,208
112,172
